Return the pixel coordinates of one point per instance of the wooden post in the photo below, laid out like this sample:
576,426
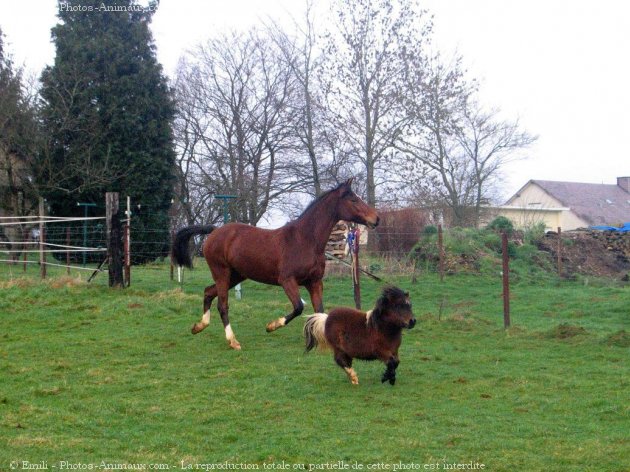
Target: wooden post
126,257
25,234
559,251
441,252
127,245
114,240
172,264
68,250
506,280
42,239
356,282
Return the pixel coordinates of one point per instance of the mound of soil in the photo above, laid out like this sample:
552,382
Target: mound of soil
589,252
566,331
620,339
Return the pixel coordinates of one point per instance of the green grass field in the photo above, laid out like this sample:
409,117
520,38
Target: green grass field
109,378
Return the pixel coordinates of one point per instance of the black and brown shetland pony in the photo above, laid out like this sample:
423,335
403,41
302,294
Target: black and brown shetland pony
291,256
354,334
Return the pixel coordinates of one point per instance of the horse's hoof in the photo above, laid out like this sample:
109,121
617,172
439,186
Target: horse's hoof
392,381
234,344
197,328
275,324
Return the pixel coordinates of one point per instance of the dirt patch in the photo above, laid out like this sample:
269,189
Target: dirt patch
587,252
619,339
566,331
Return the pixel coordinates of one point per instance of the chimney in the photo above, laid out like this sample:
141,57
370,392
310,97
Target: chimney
624,183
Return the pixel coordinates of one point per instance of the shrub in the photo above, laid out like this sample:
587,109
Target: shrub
501,224
429,230
535,233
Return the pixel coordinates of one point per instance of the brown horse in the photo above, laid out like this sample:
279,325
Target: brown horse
291,256
353,334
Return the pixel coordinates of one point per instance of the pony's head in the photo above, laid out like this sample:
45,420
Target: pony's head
351,208
393,308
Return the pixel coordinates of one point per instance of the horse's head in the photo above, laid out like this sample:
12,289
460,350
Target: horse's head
351,208
394,308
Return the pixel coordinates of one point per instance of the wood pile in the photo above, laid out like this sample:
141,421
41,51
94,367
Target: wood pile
337,241
591,252
614,241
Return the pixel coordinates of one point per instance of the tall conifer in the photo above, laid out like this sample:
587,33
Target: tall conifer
108,112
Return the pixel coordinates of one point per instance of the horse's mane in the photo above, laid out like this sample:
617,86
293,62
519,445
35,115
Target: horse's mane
322,197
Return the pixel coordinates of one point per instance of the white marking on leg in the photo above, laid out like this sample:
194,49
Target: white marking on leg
368,315
229,334
205,319
352,375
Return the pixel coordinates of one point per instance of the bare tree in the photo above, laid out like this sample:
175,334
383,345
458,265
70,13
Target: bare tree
435,94
233,131
488,144
367,65
460,149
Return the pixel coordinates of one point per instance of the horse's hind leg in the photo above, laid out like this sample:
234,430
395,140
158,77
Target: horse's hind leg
345,362
209,294
223,306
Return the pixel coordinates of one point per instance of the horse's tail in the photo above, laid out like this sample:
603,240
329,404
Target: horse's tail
314,331
180,243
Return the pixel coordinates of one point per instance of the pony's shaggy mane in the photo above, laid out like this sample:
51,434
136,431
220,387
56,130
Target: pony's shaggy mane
389,293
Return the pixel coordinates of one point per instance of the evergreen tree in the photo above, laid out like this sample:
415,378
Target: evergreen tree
108,112
18,138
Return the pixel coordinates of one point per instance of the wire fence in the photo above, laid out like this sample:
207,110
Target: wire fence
80,244
50,235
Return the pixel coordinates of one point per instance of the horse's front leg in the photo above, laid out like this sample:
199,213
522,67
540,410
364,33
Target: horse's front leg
292,289
316,291
390,371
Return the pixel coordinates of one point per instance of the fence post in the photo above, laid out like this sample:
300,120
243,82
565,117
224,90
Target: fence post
25,234
68,250
127,244
171,258
441,252
559,251
356,283
506,280
42,239
114,239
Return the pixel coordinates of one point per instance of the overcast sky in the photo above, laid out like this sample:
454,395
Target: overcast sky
562,67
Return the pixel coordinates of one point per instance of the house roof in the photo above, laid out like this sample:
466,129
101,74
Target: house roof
594,203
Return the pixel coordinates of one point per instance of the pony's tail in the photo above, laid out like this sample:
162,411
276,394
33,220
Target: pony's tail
314,331
180,249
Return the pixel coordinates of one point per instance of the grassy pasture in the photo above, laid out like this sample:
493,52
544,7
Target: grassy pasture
89,374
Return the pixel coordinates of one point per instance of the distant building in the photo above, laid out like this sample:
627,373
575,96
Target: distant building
568,205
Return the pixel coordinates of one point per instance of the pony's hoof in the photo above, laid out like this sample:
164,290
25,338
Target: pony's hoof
388,377
197,328
234,344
